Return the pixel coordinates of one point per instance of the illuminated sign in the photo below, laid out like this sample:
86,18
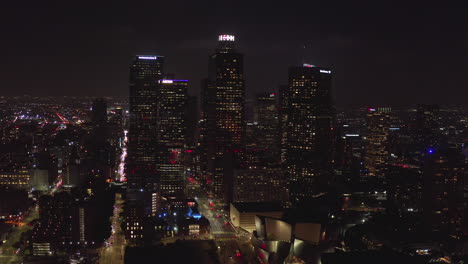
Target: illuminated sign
308,65
172,81
147,57
325,71
226,38
351,135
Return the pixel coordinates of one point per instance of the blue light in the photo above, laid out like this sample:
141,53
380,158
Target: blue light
430,151
196,216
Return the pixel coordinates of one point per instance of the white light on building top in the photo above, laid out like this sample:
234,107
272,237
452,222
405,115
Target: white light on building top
325,71
147,57
167,81
226,38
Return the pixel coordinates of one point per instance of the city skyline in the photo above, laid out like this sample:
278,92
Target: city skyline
231,132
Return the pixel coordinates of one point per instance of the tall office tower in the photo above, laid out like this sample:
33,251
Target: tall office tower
171,135
268,136
142,137
426,125
192,118
223,114
309,131
99,111
444,172
283,117
260,184
378,124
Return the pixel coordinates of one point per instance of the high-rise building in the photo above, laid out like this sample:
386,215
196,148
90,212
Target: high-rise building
259,184
192,118
309,128
145,72
443,181
223,114
283,117
266,116
378,125
171,135
405,188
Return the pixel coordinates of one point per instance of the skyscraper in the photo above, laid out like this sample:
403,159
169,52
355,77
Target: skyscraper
223,113
444,175
268,124
309,128
283,117
144,74
378,124
171,135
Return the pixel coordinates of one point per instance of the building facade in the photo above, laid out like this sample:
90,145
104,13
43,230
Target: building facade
171,136
309,129
223,114
145,72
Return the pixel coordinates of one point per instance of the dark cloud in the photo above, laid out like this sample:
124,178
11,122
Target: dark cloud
381,52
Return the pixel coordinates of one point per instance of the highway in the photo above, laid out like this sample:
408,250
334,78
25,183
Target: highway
113,251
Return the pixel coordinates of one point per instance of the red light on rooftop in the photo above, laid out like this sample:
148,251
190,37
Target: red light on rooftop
189,151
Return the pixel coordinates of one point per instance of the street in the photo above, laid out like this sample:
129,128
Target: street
9,253
223,233
113,251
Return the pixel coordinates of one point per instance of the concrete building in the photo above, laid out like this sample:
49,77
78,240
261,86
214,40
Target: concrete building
243,214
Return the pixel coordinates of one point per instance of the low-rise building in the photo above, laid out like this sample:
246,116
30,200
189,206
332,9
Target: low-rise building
243,214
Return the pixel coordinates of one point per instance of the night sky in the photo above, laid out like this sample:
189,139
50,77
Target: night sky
381,52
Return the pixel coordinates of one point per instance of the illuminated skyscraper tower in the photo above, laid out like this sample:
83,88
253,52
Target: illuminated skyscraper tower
144,75
223,113
266,115
171,135
309,128
378,124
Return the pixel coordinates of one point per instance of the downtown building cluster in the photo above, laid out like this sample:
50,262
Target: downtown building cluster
297,158
284,177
